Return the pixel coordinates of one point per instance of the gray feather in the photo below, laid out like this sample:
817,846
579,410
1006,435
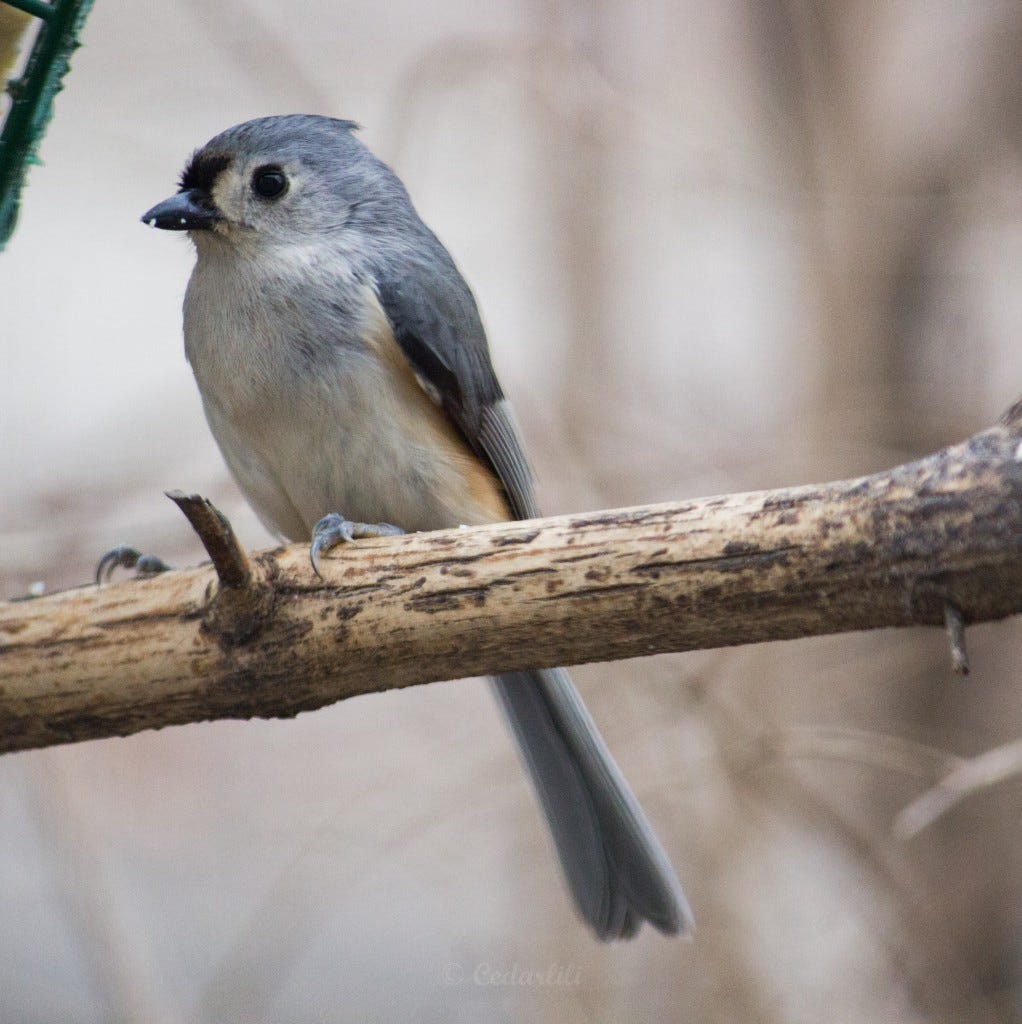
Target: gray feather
498,440
616,869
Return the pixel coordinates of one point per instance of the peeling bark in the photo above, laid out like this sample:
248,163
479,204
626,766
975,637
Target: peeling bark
894,549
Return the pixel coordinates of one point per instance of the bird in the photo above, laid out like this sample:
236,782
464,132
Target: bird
346,376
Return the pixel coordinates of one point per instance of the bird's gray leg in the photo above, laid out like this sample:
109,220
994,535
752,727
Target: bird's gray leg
334,529
125,557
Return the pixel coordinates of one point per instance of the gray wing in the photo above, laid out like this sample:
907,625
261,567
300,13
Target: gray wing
436,322
617,871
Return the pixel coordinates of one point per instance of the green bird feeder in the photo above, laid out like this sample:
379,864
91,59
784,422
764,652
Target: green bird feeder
31,93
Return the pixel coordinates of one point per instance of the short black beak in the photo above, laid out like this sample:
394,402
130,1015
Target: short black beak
191,210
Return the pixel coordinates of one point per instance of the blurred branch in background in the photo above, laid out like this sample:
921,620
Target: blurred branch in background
964,779
766,769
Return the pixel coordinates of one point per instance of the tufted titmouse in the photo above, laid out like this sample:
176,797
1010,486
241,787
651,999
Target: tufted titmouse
344,369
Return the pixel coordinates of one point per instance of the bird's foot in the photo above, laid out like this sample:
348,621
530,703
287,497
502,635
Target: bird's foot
125,557
334,529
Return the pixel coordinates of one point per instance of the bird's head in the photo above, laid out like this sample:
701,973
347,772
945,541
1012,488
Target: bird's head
277,179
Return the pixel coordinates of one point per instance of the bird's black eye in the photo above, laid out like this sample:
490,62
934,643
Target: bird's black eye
269,182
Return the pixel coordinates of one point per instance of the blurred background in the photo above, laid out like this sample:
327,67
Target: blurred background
717,247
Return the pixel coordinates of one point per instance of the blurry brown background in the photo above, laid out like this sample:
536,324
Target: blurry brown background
718,246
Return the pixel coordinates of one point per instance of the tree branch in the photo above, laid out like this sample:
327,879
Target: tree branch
933,542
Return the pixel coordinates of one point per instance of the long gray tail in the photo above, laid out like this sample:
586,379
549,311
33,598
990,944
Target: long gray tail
618,873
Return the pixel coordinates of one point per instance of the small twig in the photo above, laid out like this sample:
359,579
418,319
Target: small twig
955,626
978,773
229,559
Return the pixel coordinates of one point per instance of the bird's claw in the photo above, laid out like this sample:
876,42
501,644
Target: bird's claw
126,557
334,529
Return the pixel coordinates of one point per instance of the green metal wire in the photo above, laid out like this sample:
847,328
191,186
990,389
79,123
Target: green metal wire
32,96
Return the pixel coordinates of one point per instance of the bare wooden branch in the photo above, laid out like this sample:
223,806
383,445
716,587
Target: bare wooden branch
894,549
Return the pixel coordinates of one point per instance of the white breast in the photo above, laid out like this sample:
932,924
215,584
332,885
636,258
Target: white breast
315,408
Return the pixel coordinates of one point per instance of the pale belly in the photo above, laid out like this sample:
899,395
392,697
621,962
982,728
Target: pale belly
311,424
368,444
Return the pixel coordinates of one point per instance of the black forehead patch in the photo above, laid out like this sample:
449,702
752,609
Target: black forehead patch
202,171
